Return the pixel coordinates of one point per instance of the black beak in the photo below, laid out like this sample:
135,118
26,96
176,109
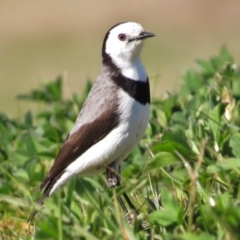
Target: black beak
141,36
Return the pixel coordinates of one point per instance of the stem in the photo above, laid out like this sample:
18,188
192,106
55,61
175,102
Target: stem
60,230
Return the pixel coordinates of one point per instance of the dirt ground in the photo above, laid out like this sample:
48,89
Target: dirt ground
41,39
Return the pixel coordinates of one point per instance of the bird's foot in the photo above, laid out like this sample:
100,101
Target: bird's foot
113,177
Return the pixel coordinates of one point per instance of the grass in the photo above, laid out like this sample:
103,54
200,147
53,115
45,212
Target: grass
183,178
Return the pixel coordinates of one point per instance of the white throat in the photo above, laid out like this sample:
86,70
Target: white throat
132,69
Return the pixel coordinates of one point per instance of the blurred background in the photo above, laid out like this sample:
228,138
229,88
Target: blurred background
41,39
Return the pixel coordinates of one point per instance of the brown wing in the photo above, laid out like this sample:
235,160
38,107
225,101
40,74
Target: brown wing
77,143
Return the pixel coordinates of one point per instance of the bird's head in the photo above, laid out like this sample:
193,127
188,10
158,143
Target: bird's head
124,41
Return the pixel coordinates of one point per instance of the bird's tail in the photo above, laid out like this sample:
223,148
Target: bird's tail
33,213
46,186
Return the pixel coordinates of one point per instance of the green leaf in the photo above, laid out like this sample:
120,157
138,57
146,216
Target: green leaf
164,217
215,118
235,144
195,236
193,80
206,66
28,118
21,175
161,159
174,141
225,164
50,92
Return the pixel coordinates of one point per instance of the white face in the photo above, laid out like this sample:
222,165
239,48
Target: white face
118,45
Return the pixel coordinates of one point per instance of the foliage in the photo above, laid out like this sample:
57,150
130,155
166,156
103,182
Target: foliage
183,178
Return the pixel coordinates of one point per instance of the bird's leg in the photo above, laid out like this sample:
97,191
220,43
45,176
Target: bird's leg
130,204
144,223
113,177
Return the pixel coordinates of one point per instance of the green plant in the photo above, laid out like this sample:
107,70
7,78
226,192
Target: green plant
183,177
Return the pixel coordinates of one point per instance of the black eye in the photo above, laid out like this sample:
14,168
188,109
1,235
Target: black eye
122,37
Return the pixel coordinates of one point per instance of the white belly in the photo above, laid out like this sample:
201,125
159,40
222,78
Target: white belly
135,118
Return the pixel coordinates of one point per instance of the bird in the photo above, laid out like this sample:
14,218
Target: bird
113,118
